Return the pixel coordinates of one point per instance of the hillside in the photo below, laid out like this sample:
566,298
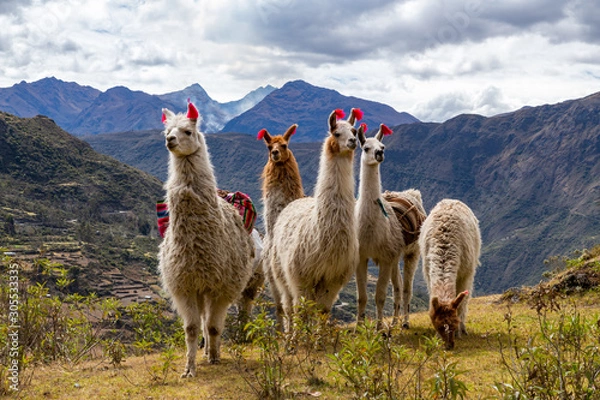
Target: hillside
88,211
531,176
309,106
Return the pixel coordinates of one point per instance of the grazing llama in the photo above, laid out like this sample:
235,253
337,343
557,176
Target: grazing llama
450,244
315,247
205,259
382,233
282,184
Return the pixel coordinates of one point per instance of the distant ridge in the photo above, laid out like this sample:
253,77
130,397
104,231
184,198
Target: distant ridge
82,110
309,106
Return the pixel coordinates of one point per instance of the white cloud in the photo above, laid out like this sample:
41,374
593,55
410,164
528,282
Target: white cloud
432,58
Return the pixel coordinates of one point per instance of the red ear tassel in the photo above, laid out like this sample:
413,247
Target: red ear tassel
293,131
192,111
164,119
385,130
364,126
339,114
358,114
261,134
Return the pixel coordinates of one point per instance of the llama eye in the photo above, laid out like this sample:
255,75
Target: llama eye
367,149
336,134
284,146
188,132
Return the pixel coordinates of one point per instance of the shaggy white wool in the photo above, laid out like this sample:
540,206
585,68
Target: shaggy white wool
205,259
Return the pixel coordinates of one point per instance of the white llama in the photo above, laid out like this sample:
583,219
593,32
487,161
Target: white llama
282,184
450,244
382,233
205,259
315,247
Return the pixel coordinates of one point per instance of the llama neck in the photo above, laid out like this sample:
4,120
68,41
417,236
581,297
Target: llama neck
370,184
192,173
444,290
283,177
334,190
443,273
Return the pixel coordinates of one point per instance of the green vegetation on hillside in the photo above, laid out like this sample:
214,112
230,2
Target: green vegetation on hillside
62,200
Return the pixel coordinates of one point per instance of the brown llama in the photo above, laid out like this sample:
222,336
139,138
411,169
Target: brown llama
282,184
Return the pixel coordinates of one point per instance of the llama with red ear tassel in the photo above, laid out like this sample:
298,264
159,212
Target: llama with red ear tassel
383,223
450,245
205,259
314,244
282,184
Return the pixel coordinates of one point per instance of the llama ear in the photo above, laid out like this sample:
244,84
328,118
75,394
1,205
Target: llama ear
333,117
361,134
264,134
435,303
355,115
192,113
166,115
383,131
291,130
459,299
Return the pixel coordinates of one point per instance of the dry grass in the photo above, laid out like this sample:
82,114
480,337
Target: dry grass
477,354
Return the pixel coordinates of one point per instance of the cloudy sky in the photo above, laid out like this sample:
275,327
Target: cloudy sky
432,58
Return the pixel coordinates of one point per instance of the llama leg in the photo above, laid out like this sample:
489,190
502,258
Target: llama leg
385,273
462,284
410,266
361,289
216,312
187,307
276,294
397,285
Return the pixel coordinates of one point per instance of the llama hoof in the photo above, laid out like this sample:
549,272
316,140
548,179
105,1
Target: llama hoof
214,361
188,373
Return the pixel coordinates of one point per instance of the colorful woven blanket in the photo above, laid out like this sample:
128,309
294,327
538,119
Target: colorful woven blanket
239,200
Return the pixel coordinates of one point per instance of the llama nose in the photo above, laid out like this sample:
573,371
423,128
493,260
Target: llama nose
352,143
170,139
379,155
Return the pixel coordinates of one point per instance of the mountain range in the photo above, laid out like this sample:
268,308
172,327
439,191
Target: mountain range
82,110
531,176
309,106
